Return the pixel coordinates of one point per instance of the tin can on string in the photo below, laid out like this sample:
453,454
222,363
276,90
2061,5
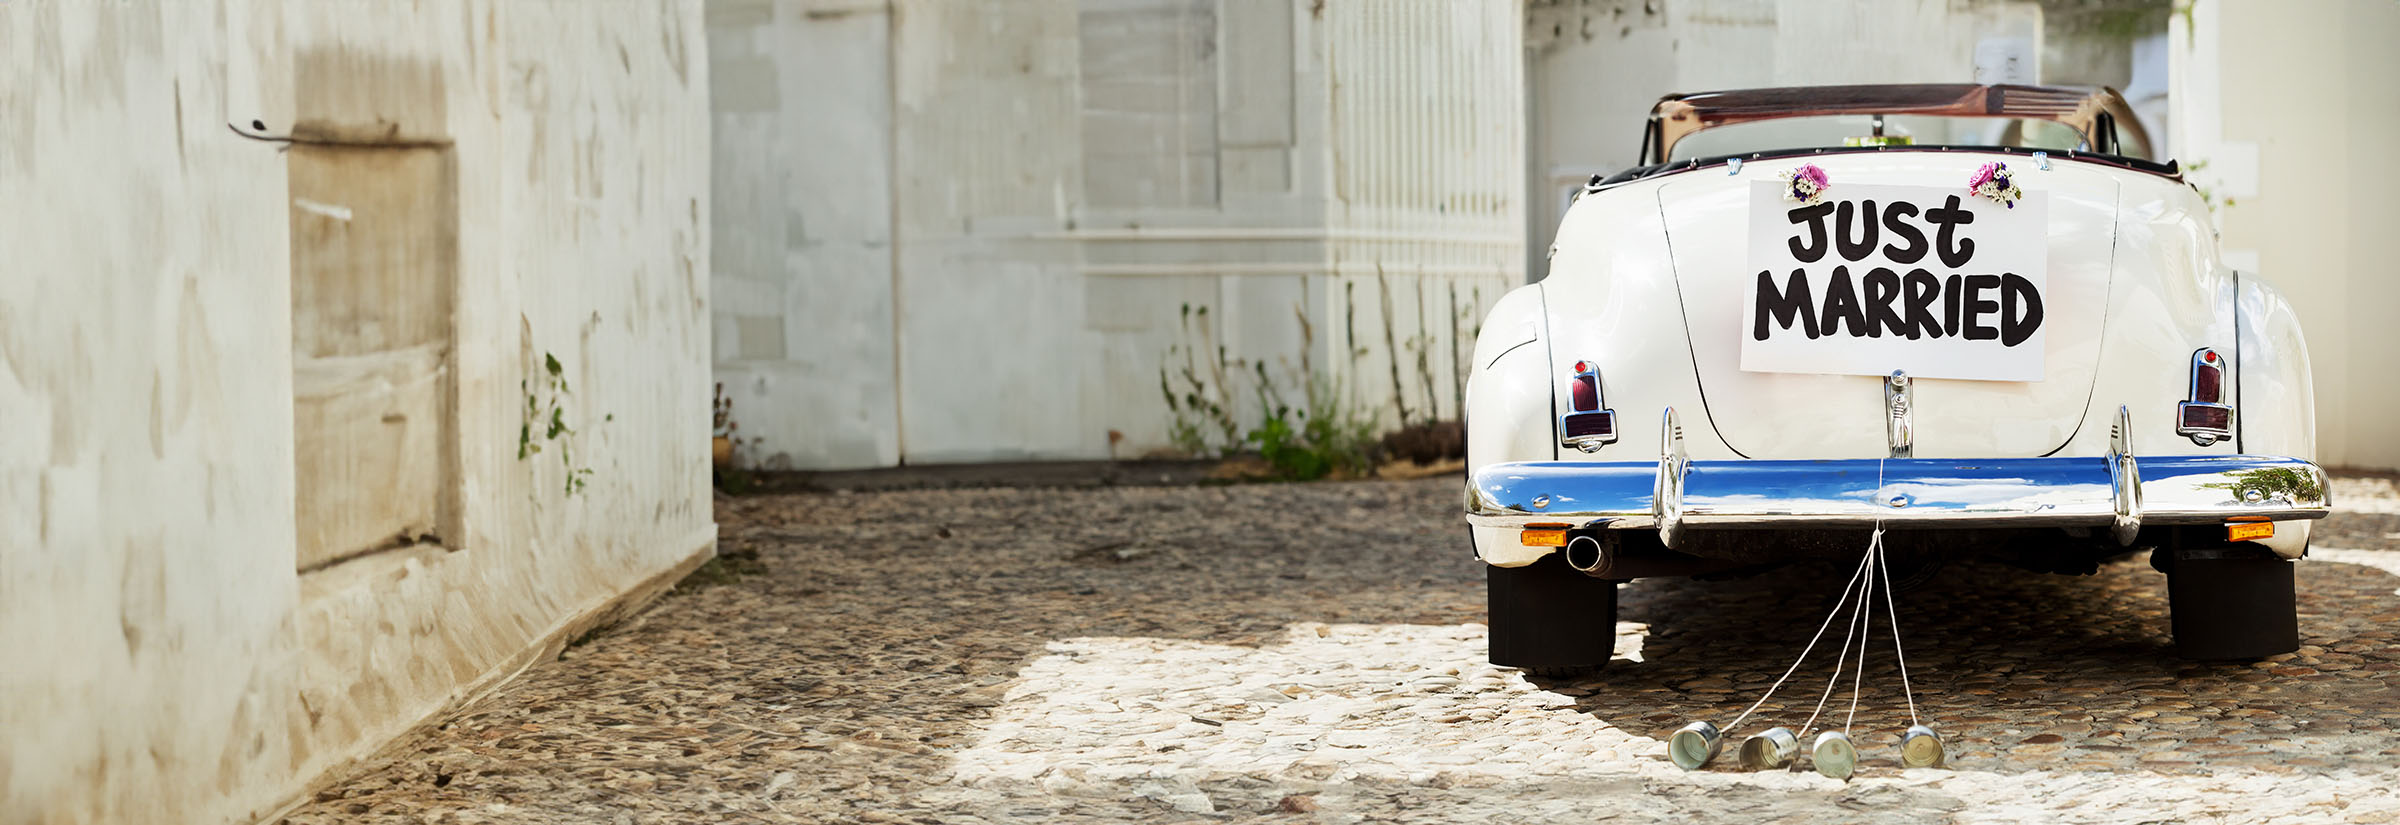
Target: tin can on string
1922,748
1834,756
1695,745
1770,749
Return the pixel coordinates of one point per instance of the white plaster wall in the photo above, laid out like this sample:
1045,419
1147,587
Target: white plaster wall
2294,111
989,160
1068,176
160,660
1426,132
801,105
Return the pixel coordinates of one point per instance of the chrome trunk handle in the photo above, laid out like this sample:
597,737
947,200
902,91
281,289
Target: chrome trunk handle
1900,421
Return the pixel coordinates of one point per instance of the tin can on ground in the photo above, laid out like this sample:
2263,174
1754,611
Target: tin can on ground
1770,749
1834,756
1695,745
1922,748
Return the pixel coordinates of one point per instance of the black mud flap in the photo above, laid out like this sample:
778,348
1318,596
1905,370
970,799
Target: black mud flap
2231,602
1547,618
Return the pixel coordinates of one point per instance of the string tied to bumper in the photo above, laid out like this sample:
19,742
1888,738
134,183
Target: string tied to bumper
1833,753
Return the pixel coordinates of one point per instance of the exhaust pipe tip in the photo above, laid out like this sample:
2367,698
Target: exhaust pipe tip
1584,554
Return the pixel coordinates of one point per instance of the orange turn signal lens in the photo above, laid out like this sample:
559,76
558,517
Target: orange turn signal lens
1544,535
2248,530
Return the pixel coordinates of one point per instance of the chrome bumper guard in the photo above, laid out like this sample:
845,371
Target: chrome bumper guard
2118,491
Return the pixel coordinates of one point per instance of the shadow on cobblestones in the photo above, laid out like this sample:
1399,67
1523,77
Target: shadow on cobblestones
2024,671
899,656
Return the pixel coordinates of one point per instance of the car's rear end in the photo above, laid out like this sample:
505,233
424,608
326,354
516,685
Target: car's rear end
1718,373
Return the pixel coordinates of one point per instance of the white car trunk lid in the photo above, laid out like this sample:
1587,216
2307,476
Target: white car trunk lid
1803,415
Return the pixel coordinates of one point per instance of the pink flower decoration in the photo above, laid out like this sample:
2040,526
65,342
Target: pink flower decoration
1806,184
1984,175
1993,181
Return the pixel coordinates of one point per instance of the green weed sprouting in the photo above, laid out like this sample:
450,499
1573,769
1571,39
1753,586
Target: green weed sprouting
546,412
1203,423
1324,434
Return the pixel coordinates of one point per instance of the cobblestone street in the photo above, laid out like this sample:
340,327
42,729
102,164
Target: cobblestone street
1316,652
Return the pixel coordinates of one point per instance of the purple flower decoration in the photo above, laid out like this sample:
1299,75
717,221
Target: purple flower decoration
1806,184
1993,181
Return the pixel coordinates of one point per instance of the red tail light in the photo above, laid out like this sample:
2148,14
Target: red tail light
2205,418
1587,424
2208,378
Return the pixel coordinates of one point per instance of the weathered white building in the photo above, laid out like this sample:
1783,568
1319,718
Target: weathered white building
2287,120
269,493
954,231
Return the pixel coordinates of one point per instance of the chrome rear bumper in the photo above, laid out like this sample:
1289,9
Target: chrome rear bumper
2118,491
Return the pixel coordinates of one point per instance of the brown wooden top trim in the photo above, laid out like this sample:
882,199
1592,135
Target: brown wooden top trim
1679,116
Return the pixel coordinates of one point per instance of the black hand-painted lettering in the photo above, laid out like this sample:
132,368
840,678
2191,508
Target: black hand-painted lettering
1955,251
1859,249
1950,305
1841,306
1814,216
1903,229
1794,301
1977,307
1922,290
2020,309
2004,307
1883,287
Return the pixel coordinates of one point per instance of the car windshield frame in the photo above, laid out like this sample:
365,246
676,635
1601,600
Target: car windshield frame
2096,115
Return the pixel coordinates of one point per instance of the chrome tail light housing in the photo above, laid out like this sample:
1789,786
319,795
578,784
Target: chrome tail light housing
2205,418
1588,424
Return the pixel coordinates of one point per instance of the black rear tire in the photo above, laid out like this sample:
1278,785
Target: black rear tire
1549,620
2231,601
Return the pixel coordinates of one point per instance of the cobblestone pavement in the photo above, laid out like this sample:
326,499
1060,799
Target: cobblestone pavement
1315,653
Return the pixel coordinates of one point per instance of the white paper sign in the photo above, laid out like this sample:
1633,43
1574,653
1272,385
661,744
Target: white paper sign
1931,280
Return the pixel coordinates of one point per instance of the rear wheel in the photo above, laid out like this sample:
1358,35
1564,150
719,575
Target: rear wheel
2230,601
1549,620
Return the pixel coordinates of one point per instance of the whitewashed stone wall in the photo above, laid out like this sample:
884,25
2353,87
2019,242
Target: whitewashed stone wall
162,656
800,100
1066,177
2293,116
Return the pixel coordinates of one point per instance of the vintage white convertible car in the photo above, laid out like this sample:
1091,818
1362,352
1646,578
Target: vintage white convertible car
1973,316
